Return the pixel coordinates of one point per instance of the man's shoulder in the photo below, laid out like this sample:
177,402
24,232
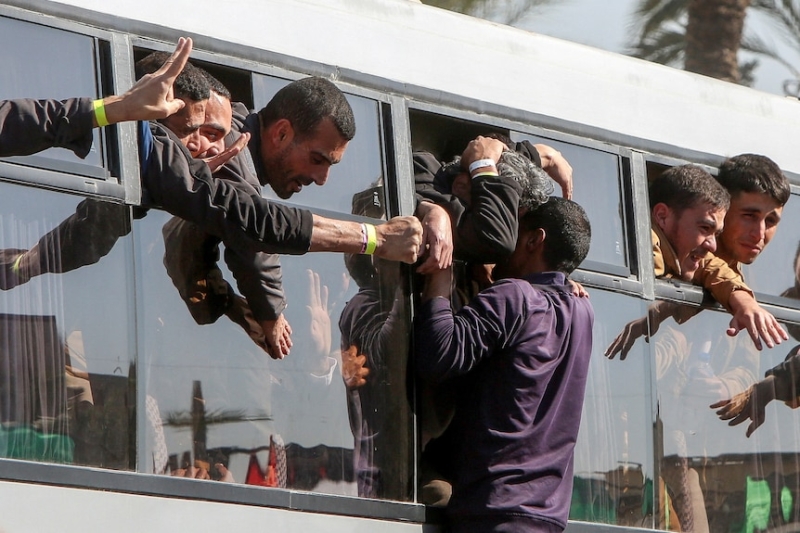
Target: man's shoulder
242,117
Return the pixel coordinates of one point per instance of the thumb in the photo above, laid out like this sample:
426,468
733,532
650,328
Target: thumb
173,106
733,328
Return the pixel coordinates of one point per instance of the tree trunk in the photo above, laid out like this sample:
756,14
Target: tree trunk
713,35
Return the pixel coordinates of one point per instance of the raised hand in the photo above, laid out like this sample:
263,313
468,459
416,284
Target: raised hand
151,97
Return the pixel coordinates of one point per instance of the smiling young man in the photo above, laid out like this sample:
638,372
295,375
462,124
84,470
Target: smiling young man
688,213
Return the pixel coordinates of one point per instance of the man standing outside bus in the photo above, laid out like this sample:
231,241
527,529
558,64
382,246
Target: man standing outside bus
519,355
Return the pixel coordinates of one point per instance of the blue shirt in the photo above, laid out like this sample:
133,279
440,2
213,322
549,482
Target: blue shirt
521,355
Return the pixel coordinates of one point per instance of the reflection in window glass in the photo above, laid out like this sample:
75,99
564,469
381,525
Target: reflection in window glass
596,177
56,64
65,330
715,477
775,271
216,401
614,470
361,167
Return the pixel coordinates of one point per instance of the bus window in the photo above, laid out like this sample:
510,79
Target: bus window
66,330
57,64
445,137
613,459
311,421
598,188
235,80
363,165
706,466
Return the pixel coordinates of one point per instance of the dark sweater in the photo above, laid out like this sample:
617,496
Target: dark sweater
520,351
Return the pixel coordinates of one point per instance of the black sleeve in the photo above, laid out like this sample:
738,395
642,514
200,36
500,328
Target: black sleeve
184,187
258,276
84,237
787,376
485,231
30,126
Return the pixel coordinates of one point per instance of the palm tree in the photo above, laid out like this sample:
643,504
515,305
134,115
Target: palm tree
713,35
509,12
663,29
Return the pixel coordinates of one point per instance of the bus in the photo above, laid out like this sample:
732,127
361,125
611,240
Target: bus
114,393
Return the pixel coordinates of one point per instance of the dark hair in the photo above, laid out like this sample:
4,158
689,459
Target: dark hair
754,173
190,83
214,84
305,103
568,232
687,186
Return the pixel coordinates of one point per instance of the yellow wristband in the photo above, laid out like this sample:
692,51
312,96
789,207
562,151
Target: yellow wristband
100,113
372,239
487,173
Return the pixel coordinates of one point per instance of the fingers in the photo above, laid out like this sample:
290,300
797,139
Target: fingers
721,403
751,328
613,348
429,266
215,163
170,70
173,66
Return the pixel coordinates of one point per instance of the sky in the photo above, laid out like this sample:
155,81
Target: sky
606,25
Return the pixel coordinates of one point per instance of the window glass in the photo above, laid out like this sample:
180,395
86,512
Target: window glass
361,167
613,476
56,64
714,477
66,350
596,179
216,400
775,271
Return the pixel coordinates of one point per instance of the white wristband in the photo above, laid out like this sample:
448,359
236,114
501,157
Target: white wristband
480,163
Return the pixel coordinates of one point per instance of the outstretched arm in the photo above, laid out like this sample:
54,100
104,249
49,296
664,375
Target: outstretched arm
750,404
557,168
30,126
398,239
758,322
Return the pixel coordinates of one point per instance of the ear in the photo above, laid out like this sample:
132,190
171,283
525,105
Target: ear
280,133
661,214
534,240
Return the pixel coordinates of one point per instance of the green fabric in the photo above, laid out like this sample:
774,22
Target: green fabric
27,443
787,502
756,505
591,502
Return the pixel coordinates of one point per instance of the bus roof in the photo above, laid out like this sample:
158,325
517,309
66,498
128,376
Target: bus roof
434,49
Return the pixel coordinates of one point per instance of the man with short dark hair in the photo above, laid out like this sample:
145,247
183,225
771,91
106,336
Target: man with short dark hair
757,190
519,356
184,187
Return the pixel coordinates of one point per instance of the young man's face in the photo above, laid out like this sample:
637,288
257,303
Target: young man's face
750,224
692,233
202,125
299,162
216,125
186,123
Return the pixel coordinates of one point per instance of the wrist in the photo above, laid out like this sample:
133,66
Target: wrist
481,165
114,109
369,239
